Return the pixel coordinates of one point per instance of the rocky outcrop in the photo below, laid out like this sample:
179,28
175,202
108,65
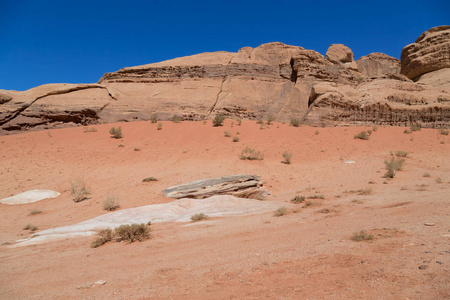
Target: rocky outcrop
430,52
341,54
272,79
4,97
242,186
378,65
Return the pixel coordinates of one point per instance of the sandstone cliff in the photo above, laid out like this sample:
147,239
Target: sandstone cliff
274,78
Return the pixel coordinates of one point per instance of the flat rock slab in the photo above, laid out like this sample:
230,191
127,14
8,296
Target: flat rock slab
243,186
177,211
30,197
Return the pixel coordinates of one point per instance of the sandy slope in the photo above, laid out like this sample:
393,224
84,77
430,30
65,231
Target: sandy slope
305,254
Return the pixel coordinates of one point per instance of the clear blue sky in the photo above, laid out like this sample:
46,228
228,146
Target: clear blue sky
76,41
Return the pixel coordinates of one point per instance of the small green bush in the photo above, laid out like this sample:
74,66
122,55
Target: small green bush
260,121
281,211
159,126
30,227
79,190
133,232
392,166
316,196
287,157
199,217
86,130
154,118
407,131
116,133
363,135
176,119
361,236
270,119
218,120
226,134
149,179
235,139
316,133
239,122
295,122
111,203
298,199
251,154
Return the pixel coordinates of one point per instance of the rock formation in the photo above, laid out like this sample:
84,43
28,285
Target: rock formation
430,52
242,186
377,65
281,80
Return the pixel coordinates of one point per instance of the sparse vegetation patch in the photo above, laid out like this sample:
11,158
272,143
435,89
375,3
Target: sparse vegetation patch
281,211
251,154
295,122
35,211
30,227
298,199
362,236
363,135
218,120
392,166
401,153
111,203
287,157
133,232
79,190
149,179
116,133
199,217
443,131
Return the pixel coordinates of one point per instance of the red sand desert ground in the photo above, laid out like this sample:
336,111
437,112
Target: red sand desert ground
306,254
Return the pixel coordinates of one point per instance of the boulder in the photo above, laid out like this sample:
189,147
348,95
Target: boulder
242,186
430,52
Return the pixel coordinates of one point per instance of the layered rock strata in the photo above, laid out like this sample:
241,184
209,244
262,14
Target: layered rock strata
272,79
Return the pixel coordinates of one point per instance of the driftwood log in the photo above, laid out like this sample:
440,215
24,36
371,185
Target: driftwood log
242,186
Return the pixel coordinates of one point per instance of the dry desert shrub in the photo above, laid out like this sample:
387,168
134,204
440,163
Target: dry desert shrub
426,175
281,211
116,133
111,203
149,179
104,236
35,211
317,196
133,232
366,191
199,217
270,119
407,131
363,135
438,180
401,154
154,118
239,122
392,166
235,139
415,127
159,126
251,154
30,227
218,120
176,118
86,130
443,131
298,199
79,190
361,236
295,122
227,134
287,157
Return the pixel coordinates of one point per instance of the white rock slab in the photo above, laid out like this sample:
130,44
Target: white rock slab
30,197
177,211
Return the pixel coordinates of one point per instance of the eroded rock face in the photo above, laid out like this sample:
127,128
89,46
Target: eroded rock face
377,65
242,186
272,79
430,52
